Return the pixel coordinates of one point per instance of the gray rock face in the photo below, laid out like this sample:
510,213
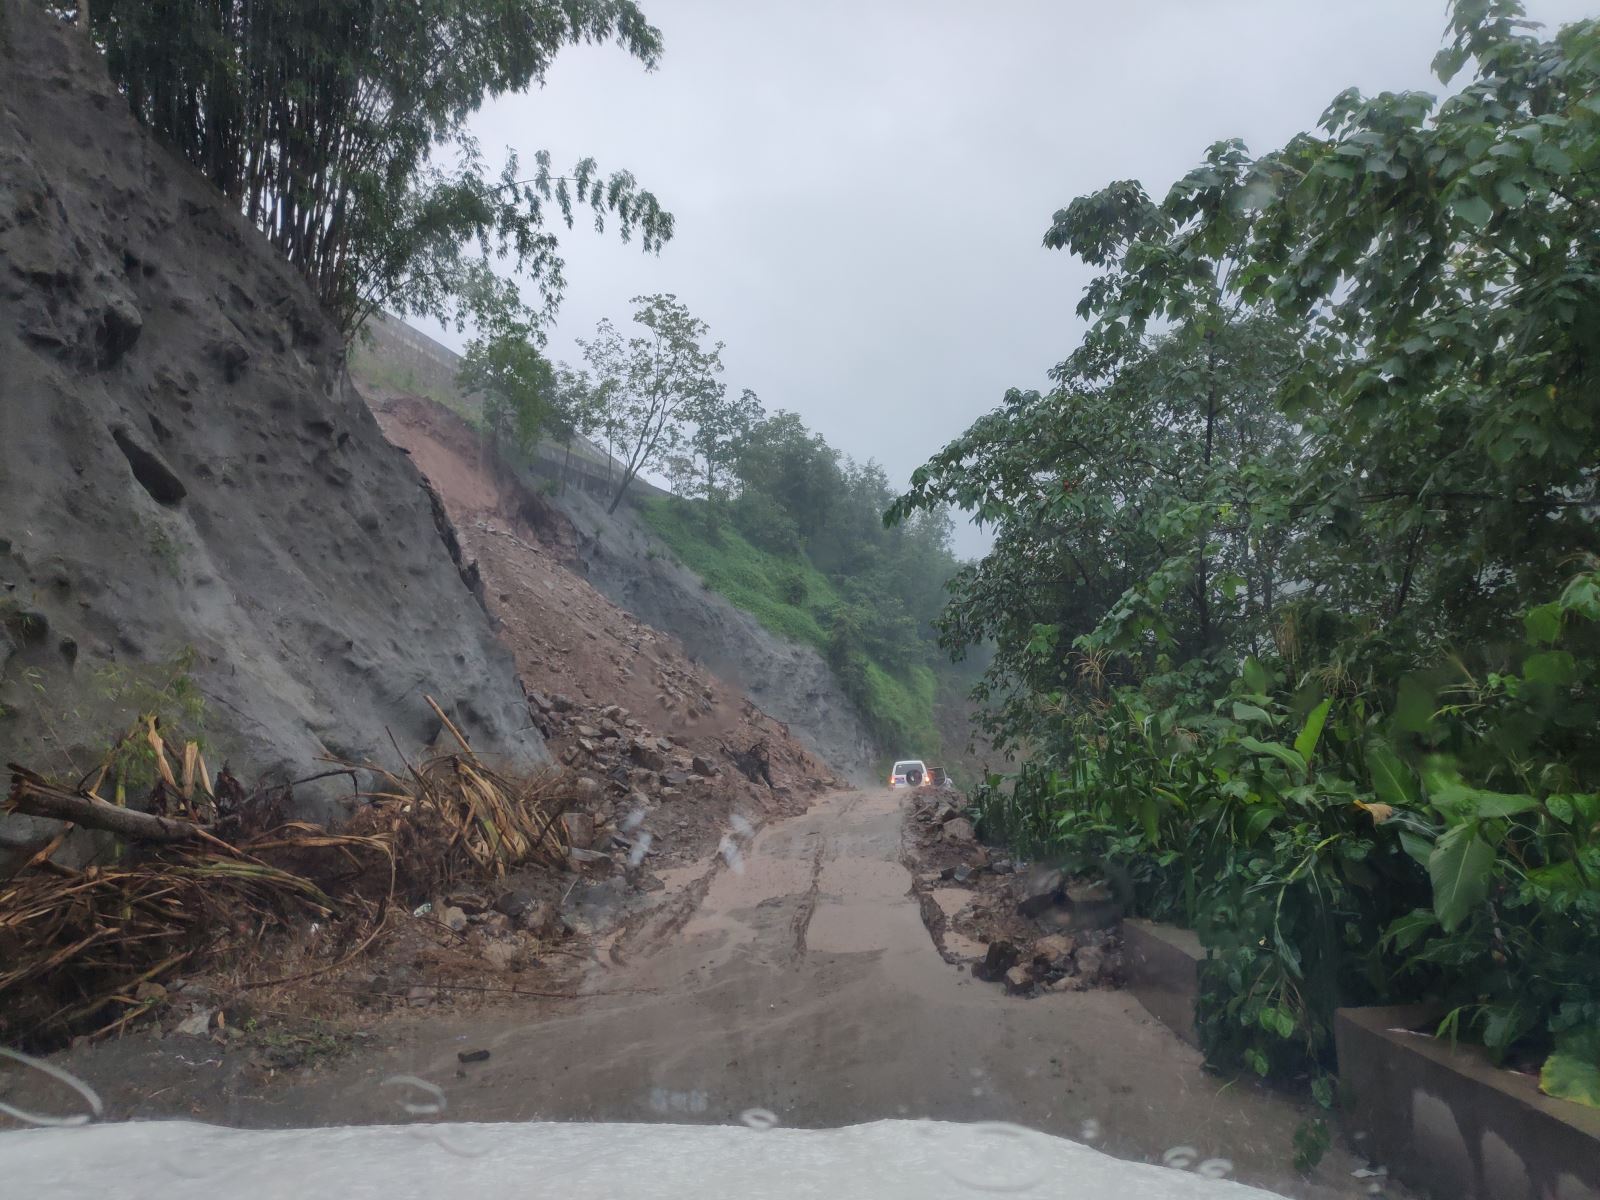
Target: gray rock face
790,682
187,475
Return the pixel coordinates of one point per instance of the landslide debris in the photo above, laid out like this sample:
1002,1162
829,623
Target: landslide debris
678,757
1028,928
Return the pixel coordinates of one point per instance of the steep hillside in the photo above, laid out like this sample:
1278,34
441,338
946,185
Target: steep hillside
197,513
619,700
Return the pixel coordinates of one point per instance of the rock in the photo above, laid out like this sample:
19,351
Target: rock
665,745
588,791
588,747
1091,891
451,917
997,960
959,830
577,857
638,801
421,997
542,921
674,779
495,923
561,703
704,766
1001,866
513,903
943,813
196,1024
588,731
1054,949
472,1056
151,991
647,756
580,829
503,956
1091,963
1039,891
962,873
614,712
1019,979
540,701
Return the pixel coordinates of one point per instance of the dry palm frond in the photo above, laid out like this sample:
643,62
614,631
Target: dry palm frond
75,943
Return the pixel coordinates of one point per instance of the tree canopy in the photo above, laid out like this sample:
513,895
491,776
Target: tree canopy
323,120
1293,583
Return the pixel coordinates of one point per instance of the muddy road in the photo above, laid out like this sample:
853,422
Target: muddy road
789,980
794,976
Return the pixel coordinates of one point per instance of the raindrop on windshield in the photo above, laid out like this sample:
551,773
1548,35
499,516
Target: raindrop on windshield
72,1081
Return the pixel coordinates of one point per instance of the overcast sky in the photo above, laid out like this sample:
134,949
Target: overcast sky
860,186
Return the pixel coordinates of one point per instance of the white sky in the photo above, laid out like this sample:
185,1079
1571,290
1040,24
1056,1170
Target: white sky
861,188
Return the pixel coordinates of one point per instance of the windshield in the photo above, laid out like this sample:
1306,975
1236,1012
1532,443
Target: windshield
485,488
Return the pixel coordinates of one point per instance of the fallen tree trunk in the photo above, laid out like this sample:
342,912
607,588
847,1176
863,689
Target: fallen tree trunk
34,796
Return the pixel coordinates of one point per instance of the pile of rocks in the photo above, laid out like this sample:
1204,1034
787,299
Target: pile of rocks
1058,962
624,766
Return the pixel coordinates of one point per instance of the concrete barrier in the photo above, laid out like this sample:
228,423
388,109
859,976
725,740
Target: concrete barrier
1161,964
1446,1121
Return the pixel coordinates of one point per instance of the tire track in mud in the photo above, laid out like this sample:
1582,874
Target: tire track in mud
808,905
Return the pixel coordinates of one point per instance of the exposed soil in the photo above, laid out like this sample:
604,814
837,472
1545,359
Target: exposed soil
616,699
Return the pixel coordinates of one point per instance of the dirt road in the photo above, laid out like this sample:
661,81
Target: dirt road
790,975
795,976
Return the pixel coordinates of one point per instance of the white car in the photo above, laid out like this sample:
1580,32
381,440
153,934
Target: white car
910,772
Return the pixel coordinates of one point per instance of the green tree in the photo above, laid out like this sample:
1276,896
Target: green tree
719,428
517,383
321,120
649,383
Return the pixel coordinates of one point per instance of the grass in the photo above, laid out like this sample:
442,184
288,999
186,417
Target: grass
902,711
763,584
792,599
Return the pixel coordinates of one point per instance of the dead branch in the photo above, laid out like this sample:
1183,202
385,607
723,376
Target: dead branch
35,796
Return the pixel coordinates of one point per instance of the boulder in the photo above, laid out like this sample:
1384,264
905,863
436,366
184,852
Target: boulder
647,756
504,956
452,918
960,830
1000,957
579,827
1038,891
561,703
542,921
704,766
514,903
1019,979
1055,949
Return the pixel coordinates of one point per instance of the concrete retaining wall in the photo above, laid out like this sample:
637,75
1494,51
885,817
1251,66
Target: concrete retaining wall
1161,964
1446,1121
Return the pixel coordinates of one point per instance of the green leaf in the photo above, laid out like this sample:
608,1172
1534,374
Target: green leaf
1391,779
1543,623
1405,932
1306,744
1258,1062
1418,847
1413,710
1460,867
1568,1077
1472,208
1461,802
1555,667
1289,758
1249,712
1255,677
1261,816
